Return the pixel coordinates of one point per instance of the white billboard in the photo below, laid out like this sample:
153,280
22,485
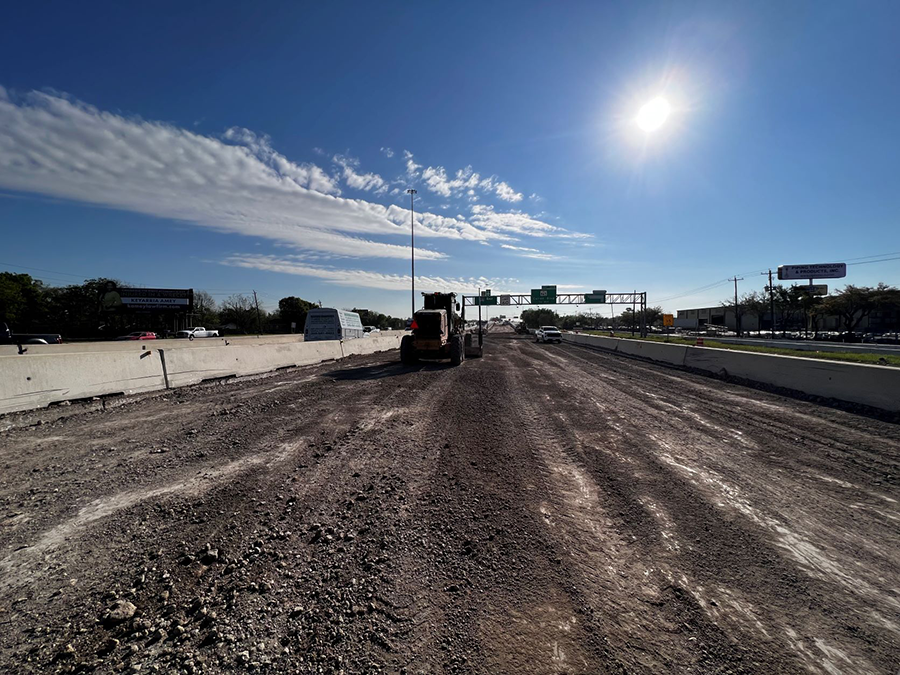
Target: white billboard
819,271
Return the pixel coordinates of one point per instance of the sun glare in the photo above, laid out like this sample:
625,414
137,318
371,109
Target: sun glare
653,115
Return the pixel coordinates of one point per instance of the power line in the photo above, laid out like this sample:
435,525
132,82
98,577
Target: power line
862,260
867,262
696,290
38,269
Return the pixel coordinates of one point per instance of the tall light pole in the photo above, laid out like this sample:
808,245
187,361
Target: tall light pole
412,235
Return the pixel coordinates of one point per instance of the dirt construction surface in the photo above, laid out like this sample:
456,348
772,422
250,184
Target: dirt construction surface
545,509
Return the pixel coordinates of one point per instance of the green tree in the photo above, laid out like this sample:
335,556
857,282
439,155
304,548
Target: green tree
240,311
755,304
75,310
535,318
653,315
788,305
206,312
23,302
853,304
887,304
294,309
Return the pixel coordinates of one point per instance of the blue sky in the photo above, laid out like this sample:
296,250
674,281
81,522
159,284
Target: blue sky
231,147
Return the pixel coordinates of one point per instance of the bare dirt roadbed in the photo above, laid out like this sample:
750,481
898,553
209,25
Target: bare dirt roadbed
546,509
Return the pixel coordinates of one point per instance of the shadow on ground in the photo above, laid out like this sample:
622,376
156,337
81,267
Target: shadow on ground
382,370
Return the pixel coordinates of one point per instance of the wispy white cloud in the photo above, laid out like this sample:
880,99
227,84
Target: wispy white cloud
465,182
513,222
54,146
359,181
387,152
412,169
506,193
533,253
363,278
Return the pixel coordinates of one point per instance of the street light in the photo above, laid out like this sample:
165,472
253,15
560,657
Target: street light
412,235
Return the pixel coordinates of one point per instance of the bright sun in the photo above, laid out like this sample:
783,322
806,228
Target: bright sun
653,114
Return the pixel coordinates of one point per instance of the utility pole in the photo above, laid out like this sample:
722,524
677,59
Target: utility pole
412,240
258,320
737,316
771,302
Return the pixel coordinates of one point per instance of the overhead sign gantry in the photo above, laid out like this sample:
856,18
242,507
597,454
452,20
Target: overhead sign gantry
548,295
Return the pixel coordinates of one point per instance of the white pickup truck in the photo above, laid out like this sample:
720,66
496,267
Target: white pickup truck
547,334
198,332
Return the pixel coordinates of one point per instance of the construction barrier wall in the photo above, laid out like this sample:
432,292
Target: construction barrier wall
876,386
190,366
144,345
374,343
34,380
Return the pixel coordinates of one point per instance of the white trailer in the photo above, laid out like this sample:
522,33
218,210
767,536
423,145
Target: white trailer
332,324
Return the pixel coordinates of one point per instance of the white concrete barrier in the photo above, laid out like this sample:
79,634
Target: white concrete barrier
34,381
145,345
600,341
372,344
657,351
189,366
876,386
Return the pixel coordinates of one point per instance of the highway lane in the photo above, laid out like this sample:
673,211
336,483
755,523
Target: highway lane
545,509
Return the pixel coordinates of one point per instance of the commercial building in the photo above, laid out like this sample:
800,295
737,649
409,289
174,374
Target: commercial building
699,318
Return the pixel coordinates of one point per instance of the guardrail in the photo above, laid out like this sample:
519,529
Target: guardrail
875,386
31,381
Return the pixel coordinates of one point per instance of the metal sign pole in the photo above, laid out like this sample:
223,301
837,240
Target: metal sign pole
480,336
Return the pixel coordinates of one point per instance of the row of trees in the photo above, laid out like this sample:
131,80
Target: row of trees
795,308
533,318
29,306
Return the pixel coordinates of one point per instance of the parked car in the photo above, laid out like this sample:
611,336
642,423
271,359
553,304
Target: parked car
371,329
7,337
888,339
198,332
138,335
547,334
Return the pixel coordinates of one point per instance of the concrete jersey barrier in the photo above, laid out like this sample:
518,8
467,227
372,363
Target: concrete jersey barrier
656,351
190,366
875,386
372,344
35,380
145,345
28,382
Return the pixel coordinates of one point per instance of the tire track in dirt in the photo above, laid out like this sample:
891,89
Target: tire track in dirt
804,612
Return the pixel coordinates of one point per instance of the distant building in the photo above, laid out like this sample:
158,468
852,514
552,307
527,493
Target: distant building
701,317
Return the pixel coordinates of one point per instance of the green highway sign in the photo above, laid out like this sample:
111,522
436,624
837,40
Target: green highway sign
598,297
485,300
543,296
